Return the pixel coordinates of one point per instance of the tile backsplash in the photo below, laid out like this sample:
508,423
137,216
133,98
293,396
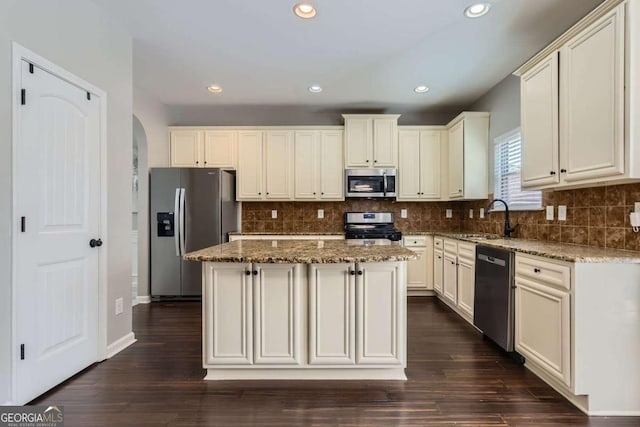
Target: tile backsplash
596,216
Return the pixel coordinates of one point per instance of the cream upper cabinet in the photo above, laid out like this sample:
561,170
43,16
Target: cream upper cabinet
539,118
220,148
186,147
588,137
200,148
318,165
419,164
250,171
468,175
278,165
331,165
592,89
371,140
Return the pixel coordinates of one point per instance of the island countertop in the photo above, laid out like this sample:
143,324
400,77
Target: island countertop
300,252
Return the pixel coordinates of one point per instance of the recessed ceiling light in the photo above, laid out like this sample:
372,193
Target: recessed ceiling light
477,10
304,10
215,88
421,89
315,88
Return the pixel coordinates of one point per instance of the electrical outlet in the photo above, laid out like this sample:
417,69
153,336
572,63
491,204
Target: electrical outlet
320,213
119,306
274,214
636,207
274,243
562,213
449,213
549,213
481,213
403,213
470,213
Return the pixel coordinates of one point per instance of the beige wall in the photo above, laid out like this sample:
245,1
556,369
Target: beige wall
75,35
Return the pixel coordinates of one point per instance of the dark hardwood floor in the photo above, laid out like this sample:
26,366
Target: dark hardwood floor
455,378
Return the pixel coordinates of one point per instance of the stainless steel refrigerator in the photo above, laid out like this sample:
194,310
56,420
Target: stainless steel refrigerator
190,209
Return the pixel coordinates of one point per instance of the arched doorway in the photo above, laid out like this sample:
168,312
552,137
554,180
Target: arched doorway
139,215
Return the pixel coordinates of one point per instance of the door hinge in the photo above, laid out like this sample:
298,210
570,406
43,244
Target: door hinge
31,68
23,96
23,224
21,351
88,96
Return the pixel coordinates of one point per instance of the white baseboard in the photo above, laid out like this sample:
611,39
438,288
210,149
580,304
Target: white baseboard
119,345
146,299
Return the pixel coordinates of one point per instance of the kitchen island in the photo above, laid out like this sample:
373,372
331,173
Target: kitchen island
303,309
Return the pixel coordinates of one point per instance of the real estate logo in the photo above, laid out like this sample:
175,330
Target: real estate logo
31,416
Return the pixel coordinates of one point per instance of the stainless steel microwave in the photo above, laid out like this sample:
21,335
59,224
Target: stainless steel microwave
370,183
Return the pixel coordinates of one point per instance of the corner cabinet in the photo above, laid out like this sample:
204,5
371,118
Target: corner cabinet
420,160
204,148
592,139
318,165
371,140
468,143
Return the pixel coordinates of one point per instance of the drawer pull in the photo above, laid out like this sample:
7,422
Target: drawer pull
536,270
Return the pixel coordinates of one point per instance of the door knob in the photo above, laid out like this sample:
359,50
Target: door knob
93,243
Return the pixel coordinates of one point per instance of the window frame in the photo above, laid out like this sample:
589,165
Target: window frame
501,139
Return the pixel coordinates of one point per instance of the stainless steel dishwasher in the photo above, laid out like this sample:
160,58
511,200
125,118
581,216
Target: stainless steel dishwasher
493,306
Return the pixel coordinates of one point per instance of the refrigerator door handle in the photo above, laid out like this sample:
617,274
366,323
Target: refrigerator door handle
182,222
176,214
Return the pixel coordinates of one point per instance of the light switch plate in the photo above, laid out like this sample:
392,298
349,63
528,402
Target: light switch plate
481,213
119,306
449,213
320,213
403,213
470,213
549,213
274,214
636,207
562,213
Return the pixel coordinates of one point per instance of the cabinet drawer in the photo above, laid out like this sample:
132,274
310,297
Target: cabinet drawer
410,241
545,271
451,247
467,251
438,243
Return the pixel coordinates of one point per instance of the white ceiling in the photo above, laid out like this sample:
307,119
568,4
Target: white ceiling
364,53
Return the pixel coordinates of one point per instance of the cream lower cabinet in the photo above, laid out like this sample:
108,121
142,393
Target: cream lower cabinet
232,288
543,321
450,272
380,308
255,314
466,278
332,314
419,271
438,273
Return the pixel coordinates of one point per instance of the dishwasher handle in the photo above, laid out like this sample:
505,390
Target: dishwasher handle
492,260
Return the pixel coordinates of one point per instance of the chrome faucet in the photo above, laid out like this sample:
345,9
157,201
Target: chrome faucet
507,226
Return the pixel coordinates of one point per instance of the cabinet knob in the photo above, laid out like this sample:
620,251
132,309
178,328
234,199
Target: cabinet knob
552,173
197,162
255,272
351,272
375,161
359,272
460,190
536,270
267,193
259,194
367,161
563,171
247,272
205,162
314,193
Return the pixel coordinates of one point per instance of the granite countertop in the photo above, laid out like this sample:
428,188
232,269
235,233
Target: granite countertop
287,233
300,252
559,251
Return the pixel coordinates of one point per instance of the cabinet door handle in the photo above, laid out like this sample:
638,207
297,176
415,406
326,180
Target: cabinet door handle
563,171
536,270
552,173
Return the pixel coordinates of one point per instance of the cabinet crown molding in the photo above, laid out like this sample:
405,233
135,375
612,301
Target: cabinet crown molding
589,19
467,115
373,116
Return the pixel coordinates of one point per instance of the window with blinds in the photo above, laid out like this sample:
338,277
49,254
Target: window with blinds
507,169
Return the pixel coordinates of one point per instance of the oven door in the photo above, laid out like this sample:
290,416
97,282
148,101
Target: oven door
370,183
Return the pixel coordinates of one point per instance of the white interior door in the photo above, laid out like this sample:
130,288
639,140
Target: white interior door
57,192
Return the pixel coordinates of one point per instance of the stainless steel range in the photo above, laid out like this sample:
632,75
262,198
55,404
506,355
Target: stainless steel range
371,228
